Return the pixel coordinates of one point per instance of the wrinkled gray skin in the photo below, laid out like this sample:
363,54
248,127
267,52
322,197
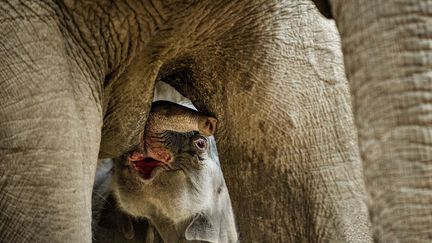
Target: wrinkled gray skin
76,82
387,49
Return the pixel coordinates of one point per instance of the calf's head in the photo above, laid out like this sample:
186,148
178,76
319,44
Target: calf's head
173,177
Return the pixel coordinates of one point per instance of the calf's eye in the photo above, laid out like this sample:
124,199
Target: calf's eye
200,144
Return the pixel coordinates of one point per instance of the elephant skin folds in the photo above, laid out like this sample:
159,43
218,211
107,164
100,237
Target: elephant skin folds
388,53
49,137
270,71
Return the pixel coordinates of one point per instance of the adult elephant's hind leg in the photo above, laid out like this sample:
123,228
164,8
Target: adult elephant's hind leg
49,135
291,161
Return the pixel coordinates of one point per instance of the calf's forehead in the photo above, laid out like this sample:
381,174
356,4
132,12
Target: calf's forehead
179,142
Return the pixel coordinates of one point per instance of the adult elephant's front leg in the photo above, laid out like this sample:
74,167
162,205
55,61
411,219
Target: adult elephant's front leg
387,48
49,132
287,140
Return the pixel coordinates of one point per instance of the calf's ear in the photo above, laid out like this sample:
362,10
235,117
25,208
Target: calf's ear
202,229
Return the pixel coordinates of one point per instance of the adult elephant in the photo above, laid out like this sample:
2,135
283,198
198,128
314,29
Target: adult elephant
387,48
76,82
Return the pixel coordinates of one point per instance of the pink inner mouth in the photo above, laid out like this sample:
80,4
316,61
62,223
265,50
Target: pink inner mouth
145,166
144,163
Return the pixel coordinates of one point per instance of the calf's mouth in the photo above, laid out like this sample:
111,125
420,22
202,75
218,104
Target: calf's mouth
145,165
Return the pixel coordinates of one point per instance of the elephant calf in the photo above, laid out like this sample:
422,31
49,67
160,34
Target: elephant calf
173,178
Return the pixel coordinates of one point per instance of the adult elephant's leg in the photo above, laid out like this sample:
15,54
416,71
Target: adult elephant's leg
388,58
49,131
288,145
